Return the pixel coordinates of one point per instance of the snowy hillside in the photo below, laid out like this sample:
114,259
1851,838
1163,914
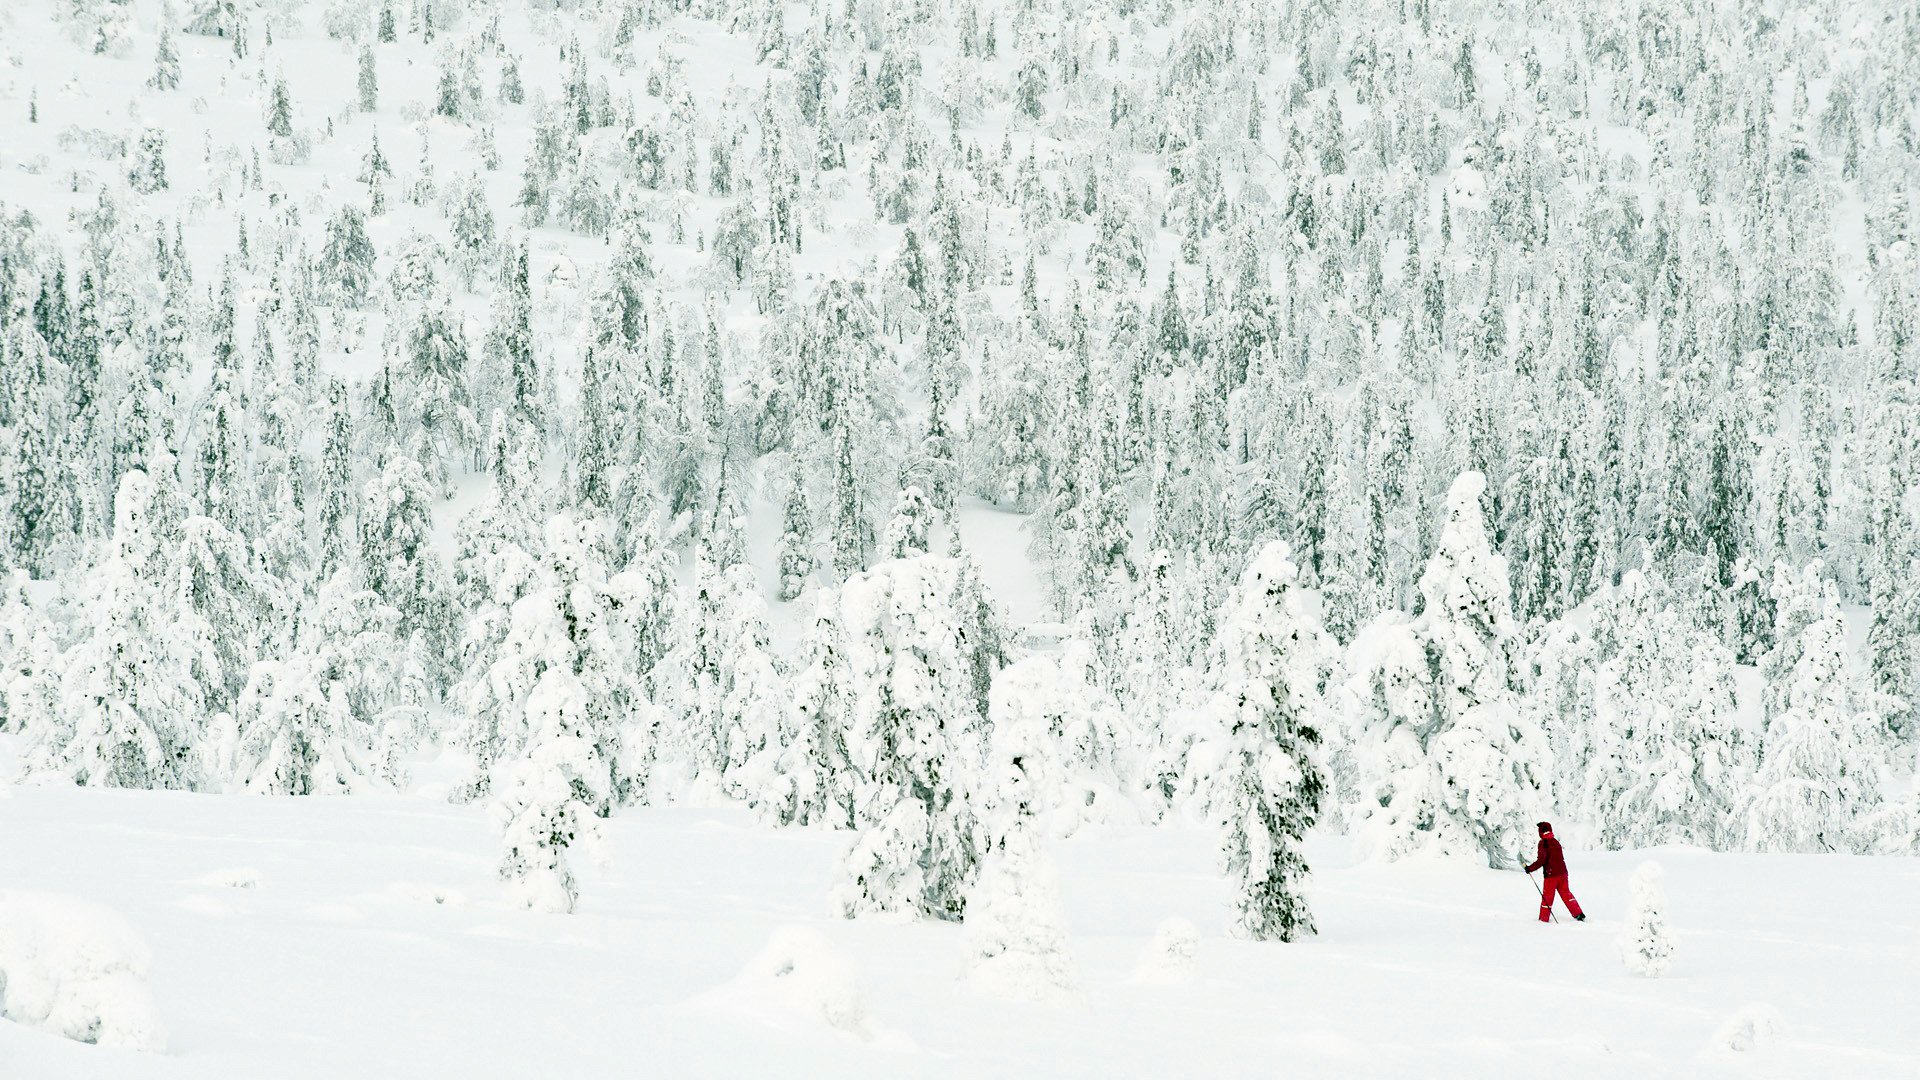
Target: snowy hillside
966,483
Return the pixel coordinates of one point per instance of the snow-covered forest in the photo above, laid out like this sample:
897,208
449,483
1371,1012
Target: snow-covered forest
950,430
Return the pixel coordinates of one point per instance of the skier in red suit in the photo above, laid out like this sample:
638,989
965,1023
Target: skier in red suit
1555,864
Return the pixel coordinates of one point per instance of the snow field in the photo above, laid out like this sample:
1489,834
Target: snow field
376,941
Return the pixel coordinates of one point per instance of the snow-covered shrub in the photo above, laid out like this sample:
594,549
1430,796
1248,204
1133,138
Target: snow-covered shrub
1169,957
1646,945
233,877
1751,1028
75,969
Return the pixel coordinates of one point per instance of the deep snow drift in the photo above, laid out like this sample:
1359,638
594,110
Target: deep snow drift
369,937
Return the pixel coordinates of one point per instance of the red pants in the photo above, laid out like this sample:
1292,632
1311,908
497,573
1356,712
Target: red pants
1556,885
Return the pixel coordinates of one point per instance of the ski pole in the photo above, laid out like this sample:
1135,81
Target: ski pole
1543,898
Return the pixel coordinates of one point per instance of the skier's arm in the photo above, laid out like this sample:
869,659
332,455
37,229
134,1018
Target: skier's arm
1539,858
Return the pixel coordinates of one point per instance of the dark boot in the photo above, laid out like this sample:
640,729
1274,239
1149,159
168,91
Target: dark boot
1579,918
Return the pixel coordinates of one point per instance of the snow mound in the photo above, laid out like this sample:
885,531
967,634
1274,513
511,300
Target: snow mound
799,979
76,970
1169,958
1754,1027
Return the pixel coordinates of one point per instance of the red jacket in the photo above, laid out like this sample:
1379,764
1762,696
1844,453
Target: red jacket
1549,857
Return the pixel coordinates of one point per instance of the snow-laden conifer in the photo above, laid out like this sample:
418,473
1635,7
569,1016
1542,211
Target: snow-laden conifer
131,710
1822,754
915,741
1646,943
816,774
1273,660
551,798
1445,759
1016,945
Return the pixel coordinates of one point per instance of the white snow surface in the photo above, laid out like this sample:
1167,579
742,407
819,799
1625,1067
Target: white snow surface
346,960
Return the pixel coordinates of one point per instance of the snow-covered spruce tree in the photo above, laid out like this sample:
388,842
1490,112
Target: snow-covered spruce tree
509,362
1273,664
914,742
1893,642
908,528
1008,439
553,796
754,713
1823,751
148,173
166,58
367,83
296,737
1104,752
397,562
280,109
29,660
1016,944
1095,763
473,236
1155,680
1666,761
1444,758
230,601
1494,764
814,762
1646,943
131,712
569,636
796,545
350,637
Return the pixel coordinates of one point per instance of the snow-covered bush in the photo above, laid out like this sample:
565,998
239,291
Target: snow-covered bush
1752,1028
77,970
1646,945
1169,957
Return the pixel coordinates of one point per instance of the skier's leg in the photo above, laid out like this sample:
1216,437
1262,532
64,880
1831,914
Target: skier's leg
1546,901
1566,895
